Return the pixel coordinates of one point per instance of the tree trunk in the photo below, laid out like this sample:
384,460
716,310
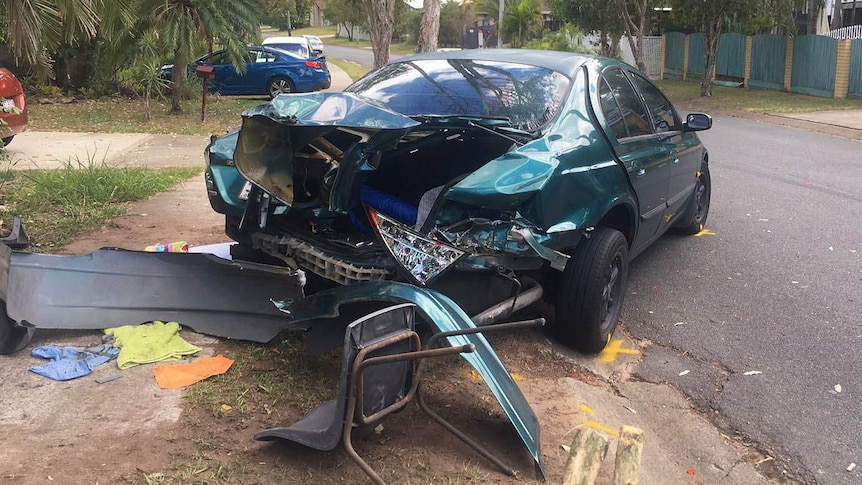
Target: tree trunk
836,15
853,14
429,29
381,24
178,77
635,31
147,95
711,37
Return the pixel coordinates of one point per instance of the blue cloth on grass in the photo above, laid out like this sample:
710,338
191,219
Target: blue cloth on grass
71,362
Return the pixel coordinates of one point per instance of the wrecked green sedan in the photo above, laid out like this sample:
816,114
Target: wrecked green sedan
498,177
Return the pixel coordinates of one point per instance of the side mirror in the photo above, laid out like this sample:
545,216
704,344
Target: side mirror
697,122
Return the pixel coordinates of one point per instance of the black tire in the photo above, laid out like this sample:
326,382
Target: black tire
694,219
591,291
7,140
279,85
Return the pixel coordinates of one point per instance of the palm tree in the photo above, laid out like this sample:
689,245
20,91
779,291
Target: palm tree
34,27
186,25
523,19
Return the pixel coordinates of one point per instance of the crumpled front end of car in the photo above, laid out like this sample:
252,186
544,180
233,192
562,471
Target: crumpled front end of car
350,191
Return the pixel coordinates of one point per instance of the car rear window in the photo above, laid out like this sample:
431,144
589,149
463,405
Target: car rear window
529,96
298,50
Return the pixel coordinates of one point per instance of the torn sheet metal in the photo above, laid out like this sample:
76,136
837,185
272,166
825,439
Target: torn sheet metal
114,287
442,312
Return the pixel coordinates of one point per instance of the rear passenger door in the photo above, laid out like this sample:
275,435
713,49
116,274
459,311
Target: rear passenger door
645,158
684,149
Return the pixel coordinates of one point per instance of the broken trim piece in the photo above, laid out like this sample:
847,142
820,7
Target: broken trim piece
557,259
115,287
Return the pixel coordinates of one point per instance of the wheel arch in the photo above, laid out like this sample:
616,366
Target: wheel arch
622,218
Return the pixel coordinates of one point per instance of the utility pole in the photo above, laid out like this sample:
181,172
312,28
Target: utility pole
500,24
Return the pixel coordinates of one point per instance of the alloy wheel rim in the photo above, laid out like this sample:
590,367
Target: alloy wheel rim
280,86
611,291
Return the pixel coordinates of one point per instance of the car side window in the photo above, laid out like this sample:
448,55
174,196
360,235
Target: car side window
663,115
634,114
612,111
263,56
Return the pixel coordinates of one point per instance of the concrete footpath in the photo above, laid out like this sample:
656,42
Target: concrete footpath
51,149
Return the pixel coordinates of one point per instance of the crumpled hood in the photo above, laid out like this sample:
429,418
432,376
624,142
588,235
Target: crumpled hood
273,134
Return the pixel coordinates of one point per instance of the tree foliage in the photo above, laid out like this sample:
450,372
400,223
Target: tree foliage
33,28
597,17
522,21
348,14
716,16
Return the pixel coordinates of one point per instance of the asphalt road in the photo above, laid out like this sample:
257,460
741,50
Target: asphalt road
776,290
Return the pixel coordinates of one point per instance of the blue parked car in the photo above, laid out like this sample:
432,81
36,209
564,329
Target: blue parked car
268,71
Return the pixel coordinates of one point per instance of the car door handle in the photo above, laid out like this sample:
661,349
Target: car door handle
637,170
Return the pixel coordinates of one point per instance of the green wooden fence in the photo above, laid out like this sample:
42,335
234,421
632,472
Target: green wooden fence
768,57
696,55
814,60
854,87
730,60
674,55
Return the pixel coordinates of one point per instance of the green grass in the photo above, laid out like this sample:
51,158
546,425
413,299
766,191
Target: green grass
266,378
753,100
127,116
354,70
56,205
399,48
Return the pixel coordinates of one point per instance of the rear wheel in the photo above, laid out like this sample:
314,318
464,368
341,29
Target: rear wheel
591,292
279,85
694,219
8,140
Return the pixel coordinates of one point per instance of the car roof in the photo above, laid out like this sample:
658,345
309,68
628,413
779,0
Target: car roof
283,40
564,62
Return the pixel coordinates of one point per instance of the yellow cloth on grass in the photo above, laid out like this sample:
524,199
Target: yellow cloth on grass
150,342
182,375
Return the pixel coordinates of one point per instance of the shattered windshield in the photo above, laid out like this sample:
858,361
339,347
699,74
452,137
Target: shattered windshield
529,96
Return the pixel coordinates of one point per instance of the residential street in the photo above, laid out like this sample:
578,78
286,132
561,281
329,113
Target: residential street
774,290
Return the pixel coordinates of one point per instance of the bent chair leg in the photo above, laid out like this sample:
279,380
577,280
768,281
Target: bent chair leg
355,392
420,399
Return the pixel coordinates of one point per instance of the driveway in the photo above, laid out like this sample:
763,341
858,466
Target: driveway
51,149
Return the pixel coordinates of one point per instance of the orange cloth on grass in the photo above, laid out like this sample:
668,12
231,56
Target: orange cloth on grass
182,375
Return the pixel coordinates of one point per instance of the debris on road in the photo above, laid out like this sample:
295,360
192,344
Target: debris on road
685,372
752,373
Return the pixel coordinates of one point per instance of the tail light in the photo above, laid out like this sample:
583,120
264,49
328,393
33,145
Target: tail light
421,257
314,64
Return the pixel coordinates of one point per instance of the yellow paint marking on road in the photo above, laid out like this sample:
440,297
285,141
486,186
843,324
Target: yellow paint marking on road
516,377
704,232
587,409
614,348
601,427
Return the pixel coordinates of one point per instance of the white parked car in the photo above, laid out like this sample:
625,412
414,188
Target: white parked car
315,43
298,46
